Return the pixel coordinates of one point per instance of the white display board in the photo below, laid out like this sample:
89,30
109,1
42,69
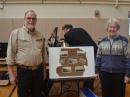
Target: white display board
54,62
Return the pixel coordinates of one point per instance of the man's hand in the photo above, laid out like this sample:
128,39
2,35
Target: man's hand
12,78
12,75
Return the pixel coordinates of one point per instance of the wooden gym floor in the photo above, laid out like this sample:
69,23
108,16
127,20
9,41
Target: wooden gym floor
6,90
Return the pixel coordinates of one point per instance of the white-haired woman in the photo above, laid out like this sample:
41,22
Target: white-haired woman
113,61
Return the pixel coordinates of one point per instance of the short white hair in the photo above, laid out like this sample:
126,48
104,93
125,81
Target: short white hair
112,21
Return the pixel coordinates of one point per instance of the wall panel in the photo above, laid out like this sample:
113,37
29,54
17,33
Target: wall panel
5,28
46,26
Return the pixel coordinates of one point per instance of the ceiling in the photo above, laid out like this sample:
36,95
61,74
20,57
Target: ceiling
126,2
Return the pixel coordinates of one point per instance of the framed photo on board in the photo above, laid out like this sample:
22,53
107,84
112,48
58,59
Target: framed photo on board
71,62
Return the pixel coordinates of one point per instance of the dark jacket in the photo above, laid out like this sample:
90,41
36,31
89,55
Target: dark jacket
80,37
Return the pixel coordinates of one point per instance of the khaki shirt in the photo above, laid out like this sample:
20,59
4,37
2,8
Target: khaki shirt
25,48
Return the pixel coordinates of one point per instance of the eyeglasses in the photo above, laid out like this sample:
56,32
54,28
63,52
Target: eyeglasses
29,18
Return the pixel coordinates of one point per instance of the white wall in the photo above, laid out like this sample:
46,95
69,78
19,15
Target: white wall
64,10
56,15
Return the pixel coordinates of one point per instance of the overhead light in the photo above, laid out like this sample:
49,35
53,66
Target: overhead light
97,13
2,2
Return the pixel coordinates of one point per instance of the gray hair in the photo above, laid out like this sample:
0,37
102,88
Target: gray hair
112,21
30,11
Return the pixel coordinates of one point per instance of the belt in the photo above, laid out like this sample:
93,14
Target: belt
30,67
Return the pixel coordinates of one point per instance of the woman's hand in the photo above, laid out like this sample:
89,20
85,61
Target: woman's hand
126,79
97,77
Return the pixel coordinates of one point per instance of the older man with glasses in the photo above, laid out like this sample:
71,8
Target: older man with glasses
26,50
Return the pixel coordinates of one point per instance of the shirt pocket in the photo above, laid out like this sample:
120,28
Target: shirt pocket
39,43
23,43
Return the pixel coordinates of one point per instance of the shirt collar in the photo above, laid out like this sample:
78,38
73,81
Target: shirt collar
29,32
112,38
